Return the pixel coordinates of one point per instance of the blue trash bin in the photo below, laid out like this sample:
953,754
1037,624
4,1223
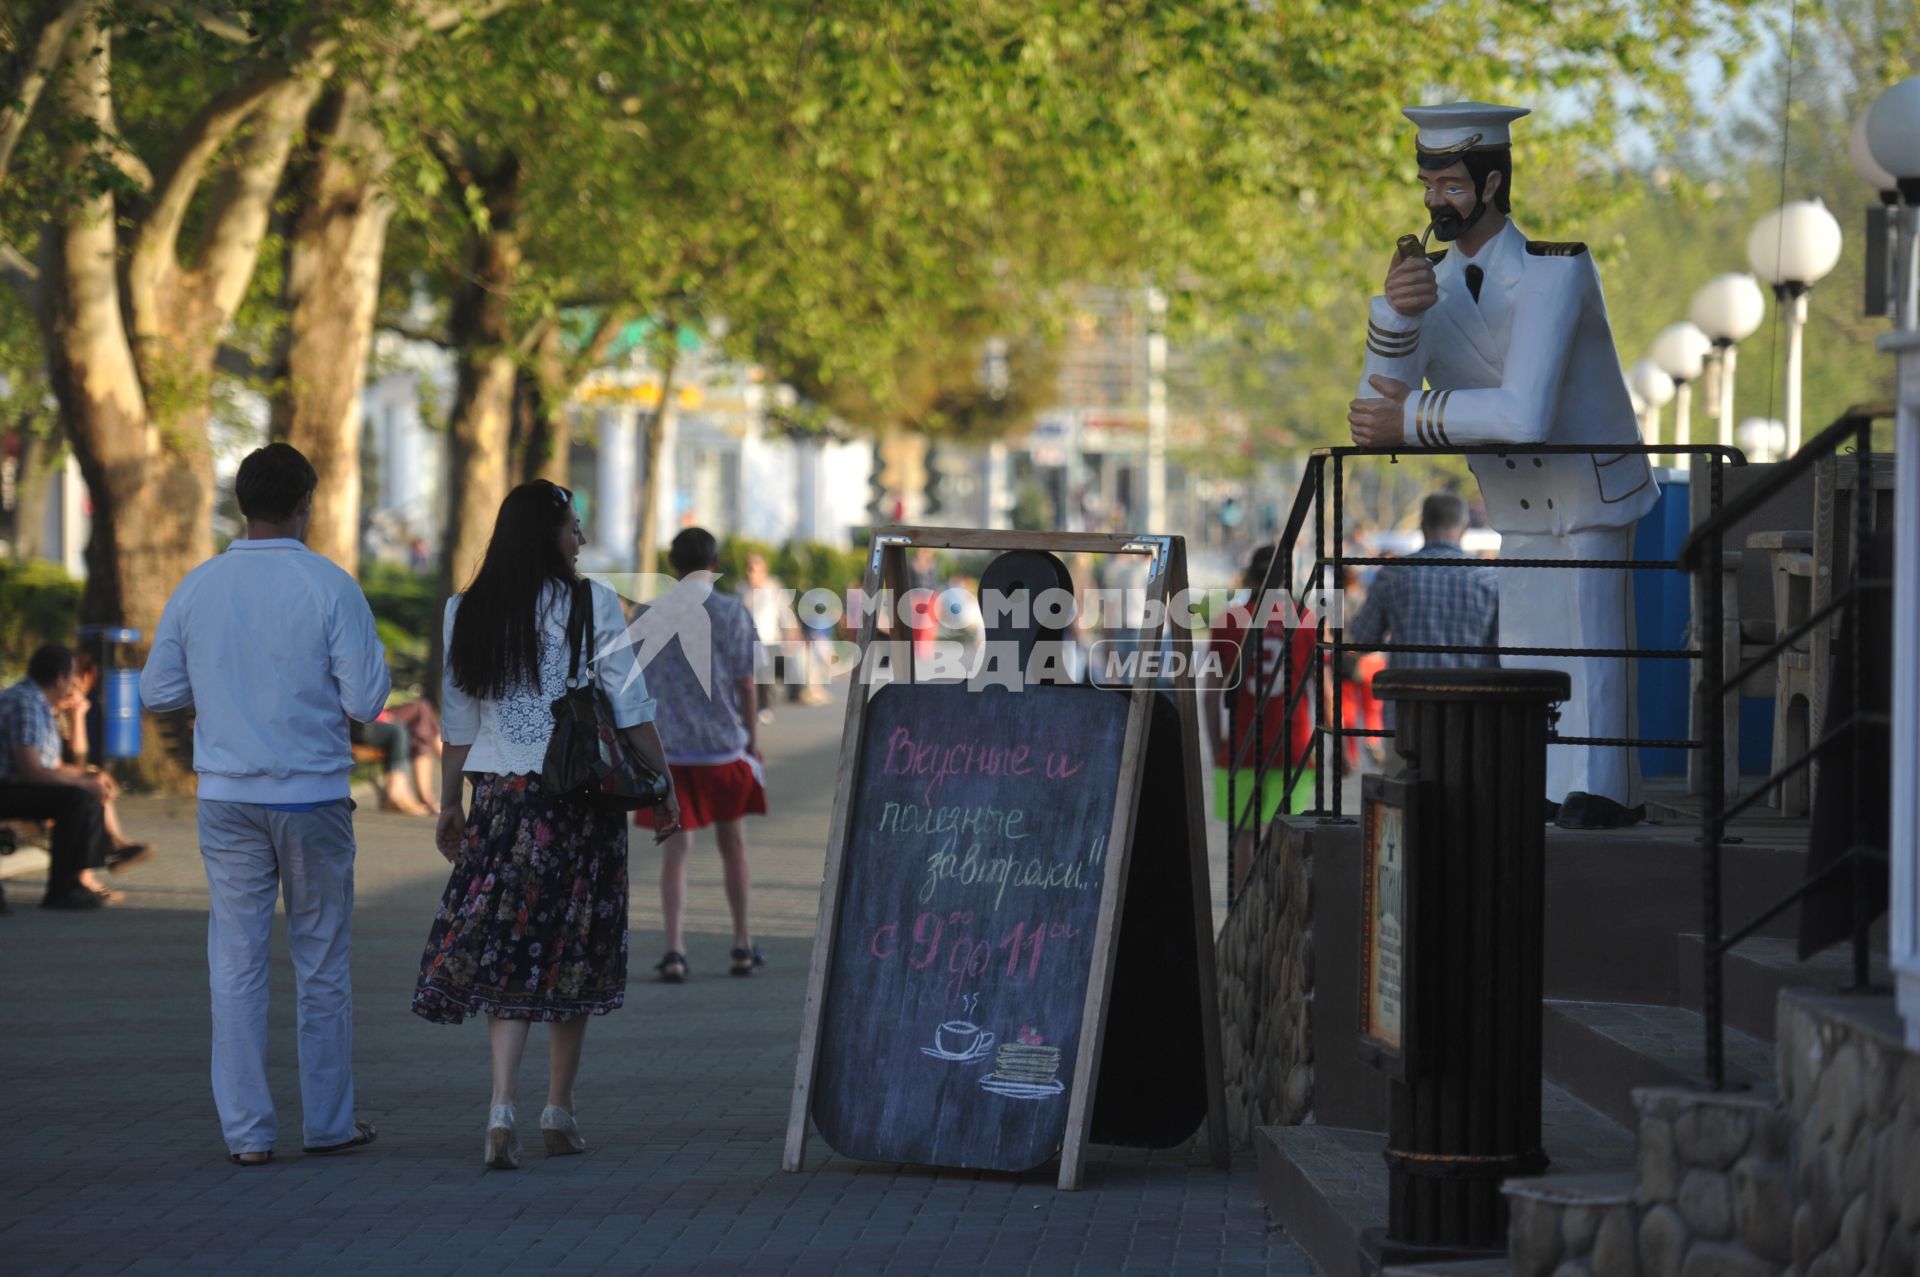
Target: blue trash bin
1662,608
114,723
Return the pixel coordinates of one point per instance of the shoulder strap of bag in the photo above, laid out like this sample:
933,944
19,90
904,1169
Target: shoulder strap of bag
579,630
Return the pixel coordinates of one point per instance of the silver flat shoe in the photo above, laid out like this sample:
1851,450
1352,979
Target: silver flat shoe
503,1141
561,1132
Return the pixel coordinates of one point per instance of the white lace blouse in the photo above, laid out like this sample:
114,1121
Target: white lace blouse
509,735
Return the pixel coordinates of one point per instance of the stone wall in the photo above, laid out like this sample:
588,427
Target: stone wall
1853,1090
1714,1184
1264,962
1825,1182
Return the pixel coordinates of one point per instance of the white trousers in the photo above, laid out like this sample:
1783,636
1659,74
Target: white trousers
1578,607
252,854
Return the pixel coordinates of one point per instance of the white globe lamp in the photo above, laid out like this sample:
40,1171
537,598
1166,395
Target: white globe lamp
1870,170
1681,351
1728,309
1893,139
1762,438
1652,390
1793,248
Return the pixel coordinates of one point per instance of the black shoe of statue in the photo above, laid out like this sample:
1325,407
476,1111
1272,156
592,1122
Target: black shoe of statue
1596,811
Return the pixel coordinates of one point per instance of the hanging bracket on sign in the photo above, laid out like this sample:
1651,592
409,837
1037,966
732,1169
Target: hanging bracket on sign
880,544
1154,547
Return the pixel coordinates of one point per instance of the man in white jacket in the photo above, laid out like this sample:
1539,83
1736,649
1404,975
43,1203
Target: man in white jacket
274,648
1511,341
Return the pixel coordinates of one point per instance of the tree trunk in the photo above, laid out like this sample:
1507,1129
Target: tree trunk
543,429
337,236
134,377
151,489
646,537
482,418
41,463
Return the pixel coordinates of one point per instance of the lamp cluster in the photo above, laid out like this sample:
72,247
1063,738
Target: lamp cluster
1791,249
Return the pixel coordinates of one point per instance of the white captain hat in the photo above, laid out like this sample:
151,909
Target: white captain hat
1455,128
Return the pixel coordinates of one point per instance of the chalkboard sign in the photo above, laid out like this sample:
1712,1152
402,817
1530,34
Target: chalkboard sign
976,850
1015,945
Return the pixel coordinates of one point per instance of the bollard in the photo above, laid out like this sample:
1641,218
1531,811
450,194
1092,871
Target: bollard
1464,1112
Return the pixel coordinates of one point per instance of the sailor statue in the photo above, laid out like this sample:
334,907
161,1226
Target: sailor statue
1502,339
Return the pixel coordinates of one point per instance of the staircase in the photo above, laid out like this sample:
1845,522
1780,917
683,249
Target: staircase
1639,1165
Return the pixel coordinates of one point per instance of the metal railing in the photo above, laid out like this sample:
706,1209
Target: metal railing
1700,554
1324,485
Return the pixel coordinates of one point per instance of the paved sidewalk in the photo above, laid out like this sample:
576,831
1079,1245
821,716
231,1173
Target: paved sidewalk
111,1160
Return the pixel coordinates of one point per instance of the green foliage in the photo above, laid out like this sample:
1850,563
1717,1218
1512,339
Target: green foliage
39,603
406,613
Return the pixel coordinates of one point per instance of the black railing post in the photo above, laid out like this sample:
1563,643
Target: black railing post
1339,593
1319,670
1712,652
1864,501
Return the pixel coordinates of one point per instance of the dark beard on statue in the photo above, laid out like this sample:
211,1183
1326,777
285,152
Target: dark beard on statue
1448,225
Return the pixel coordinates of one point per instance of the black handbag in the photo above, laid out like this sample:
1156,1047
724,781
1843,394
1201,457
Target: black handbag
587,762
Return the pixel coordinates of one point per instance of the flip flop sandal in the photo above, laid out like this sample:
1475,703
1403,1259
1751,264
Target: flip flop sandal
366,1136
240,1159
745,960
673,959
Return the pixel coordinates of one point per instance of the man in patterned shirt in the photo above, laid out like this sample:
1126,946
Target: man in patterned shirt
702,676
1455,606
36,785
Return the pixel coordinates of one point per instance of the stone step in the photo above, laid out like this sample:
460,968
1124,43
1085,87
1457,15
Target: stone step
1757,969
1578,1219
1327,1186
1601,1051
1454,1268
1615,900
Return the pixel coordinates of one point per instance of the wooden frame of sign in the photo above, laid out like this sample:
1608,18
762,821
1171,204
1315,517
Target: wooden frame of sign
1386,937
886,575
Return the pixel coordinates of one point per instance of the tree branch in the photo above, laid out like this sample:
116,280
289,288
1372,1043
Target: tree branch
610,327
20,273
18,98
231,246
157,240
444,17
407,332
226,26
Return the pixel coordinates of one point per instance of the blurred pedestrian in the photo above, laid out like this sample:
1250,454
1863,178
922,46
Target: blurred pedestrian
713,749
36,785
75,749
533,922
274,648
1414,604
778,631
1240,725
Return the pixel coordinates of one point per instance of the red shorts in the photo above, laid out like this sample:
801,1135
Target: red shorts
709,793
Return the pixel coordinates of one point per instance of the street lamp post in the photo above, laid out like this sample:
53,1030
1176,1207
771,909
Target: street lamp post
1728,309
1793,248
1655,389
1156,410
1893,138
1681,351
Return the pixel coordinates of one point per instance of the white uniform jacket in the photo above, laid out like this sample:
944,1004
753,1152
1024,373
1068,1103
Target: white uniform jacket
1532,361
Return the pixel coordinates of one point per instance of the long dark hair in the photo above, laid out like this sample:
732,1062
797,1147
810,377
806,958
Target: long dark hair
496,631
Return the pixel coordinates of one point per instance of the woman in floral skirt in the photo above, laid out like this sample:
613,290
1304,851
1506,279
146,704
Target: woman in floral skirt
533,925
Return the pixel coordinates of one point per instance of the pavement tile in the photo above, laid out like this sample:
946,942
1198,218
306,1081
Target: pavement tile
111,1160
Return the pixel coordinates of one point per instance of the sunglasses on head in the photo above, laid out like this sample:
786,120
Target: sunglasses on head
562,497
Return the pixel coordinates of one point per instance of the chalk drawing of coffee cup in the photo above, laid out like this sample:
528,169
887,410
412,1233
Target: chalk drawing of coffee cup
960,1041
